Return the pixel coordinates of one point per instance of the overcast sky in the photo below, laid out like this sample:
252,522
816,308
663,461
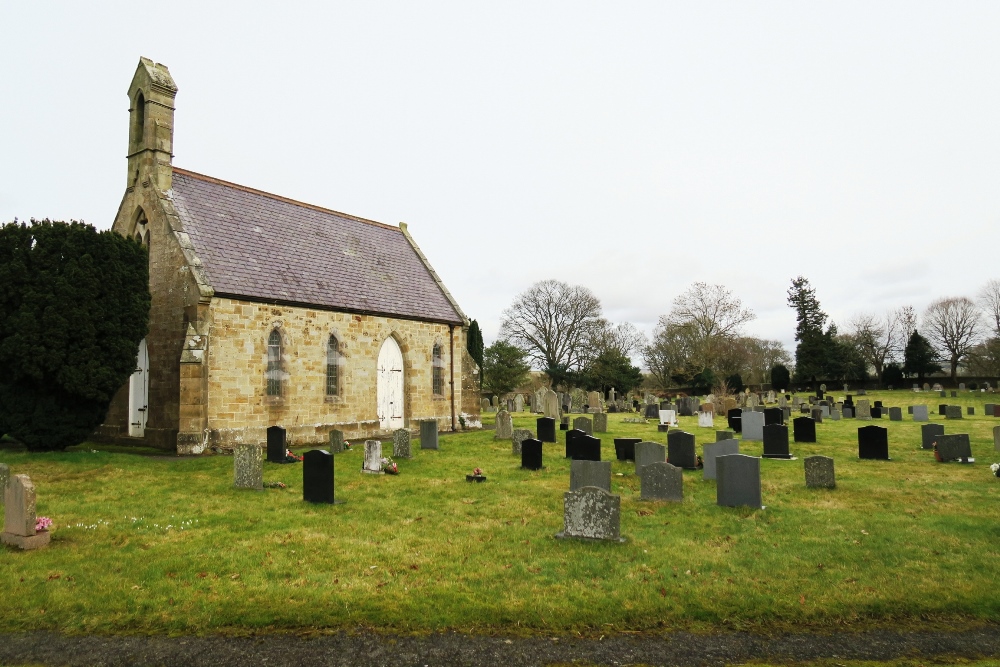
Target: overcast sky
632,148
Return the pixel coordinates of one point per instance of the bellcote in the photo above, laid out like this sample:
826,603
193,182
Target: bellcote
151,126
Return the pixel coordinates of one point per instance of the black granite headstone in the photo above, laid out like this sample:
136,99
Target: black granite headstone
776,442
804,429
873,443
876,413
317,476
877,404
571,436
954,446
625,448
929,434
738,481
588,448
943,409
735,417
276,444
773,416
546,428
681,450
531,453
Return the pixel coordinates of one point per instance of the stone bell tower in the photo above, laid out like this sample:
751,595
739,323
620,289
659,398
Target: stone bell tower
151,125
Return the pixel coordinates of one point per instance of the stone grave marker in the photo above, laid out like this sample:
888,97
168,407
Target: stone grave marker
774,416
401,444
873,443
504,426
920,413
970,410
19,515
929,433
317,476
590,473
681,450
519,403
804,429
667,417
248,467
571,437
835,414
996,438
848,413
651,412
429,434
546,427
600,422
591,513
895,414
336,441
876,413
819,472
517,438
584,424
909,410
4,477
954,446
550,405
863,410
594,400
734,418
564,424
276,444
625,448
961,387
753,425
706,419
817,415
588,448
531,454
648,452
953,412
738,483
954,394
714,450
485,405
724,435
942,409
776,442
990,407
373,457
661,481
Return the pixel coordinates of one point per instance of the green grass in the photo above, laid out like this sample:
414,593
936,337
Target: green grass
168,546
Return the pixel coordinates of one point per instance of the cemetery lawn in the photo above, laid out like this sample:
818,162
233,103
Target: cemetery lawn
166,546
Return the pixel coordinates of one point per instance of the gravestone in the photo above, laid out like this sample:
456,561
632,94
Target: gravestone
373,457
550,404
625,448
706,419
591,513
588,448
4,478
873,443
877,404
819,473
876,413
961,387
909,409
970,410
848,413
546,427
895,414
774,416
590,473
648,452
594,400
495,401
248,467
429,434
517,437
863,410
776,442
19,515
276,444
584,424
661,481
651,412
724,435
953,412
996,438
817,415
990,407
835,414
753,425
564,424
571,436
531,454
734,418
929,433
920,413
714,450
600,422
519,403
681,450
504,426
954,394
804,429
954,446
336,441
943,394
485,405
317,476
668,417
738,483
401,444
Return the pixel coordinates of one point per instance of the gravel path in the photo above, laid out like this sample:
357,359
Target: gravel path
368,649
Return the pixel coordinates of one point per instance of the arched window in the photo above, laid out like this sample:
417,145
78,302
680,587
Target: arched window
274,364
138,121
332,362
438,369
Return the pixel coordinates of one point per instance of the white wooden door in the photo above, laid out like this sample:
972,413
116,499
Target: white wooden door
389,389
138,393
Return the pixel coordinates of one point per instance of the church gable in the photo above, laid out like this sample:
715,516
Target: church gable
258,246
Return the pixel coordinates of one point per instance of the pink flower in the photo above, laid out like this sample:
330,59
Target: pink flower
42,523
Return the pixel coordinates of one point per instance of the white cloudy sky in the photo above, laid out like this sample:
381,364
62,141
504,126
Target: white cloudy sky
633,148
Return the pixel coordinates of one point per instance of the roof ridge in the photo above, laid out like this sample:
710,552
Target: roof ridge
294,202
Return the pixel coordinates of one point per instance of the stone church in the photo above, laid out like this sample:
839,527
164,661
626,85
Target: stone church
268,311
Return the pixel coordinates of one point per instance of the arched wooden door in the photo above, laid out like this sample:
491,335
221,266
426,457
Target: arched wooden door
389,388
138,393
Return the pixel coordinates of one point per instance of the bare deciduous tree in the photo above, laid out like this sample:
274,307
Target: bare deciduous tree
878,339
953,325
553,323
623,338
989,299
711,309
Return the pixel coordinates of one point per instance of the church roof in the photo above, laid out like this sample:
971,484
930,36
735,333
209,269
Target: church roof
263,247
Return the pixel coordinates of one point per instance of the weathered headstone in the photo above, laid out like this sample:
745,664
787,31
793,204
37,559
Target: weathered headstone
600,422
953,412
681,450
835,414
895,414
817,415
706,419
19,515
996,438
564,423
429,434
401,444
920,413
550,404
519,403
714,450
531,454
954,446
504,426
517,437
276,444
753,425
819,472
661,481
591,513
724,435
804,429
546,428
584,424
873,443
373,458
248,467
4,477
776,442
648,452
485,405
738,478
590,473
929,434
336,441
863,410
317,476
625,448
594,400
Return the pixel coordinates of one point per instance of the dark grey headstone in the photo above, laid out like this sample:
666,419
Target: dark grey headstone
649,452
591,513
681,450
714,450
518,436
895,414
317,476
652,412
929,433
276,444
876,413
336,441
909,411
661,481
738,481
954,446
954,394
571,436
970,410
588,448
590,473
819,472
817,415
848,412
625,448
546,427
942,409
584,424
873,443
804,429
953,412
920,413
989,410
429,434
600,422
248,468
531,454
776,442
